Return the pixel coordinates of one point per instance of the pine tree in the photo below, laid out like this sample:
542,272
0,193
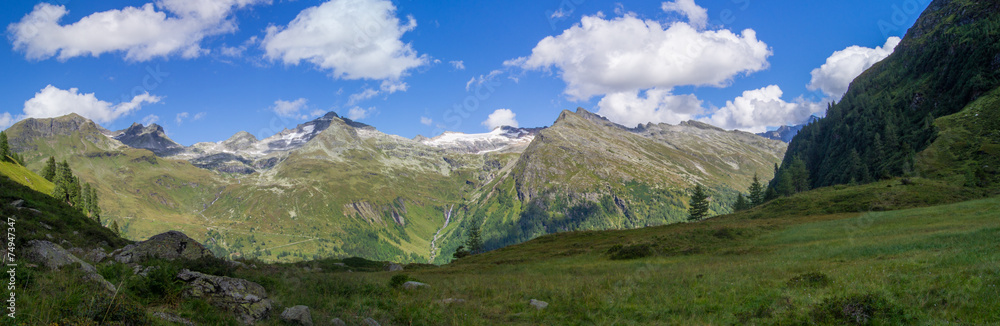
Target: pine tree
741,203
59,192
93,207
76,193
4,147
115,228
800,175
756,192
475,242
49,171
699,204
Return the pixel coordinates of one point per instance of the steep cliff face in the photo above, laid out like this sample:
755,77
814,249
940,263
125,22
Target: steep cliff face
151,137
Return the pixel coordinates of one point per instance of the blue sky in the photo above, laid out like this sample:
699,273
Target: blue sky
206,69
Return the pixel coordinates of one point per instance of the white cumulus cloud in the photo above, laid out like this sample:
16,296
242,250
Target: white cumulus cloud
426,121
759,108
6,119
354,39
501,117
601,56
290,109
460,65
181,116
166,28
358,113
655,105
53,102
696,15
840,69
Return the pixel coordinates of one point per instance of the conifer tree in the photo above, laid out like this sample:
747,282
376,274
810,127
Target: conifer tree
741,203
4,147
49,171
475,242
699,204
756,192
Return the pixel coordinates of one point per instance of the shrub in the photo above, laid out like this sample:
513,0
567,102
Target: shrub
811,279
858,309
619,252
398,280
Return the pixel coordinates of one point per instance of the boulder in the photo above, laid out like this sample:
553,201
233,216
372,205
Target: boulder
539,304
298,315
53,256
172,318
371,322
170,246
246,300
413,285
394,267
96,255
337,322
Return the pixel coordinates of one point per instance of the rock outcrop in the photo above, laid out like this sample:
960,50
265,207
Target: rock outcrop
298,315
244,299
53,256
170,245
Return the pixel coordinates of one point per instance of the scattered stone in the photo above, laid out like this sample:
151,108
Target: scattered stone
49,236
298,315
75,251
340,264
17,203
76,232
53,256
413,285
246,300
539,304
170,246
371,322
393,267
173,318
450,301
337,322
236,264
143,270
46,226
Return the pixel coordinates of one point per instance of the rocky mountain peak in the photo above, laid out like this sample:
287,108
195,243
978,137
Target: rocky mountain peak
150,137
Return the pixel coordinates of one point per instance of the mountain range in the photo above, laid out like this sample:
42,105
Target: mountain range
334,186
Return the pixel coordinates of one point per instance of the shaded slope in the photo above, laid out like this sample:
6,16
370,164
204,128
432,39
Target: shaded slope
948,59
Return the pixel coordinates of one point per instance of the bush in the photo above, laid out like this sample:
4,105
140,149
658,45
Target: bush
619,252
398,280
858,309
811,279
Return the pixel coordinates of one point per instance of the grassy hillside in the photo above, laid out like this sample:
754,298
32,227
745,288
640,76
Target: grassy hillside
967,150
777,264
22,175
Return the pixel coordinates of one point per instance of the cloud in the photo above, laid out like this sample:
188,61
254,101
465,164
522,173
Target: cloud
6,120
53,102
354,39
426,121
656,105
142,33
482,79
199,116
696,15
501,117
840,69
150,119
559,13
181,116
290,109
358,113
460,65
365,94
599,56
759,108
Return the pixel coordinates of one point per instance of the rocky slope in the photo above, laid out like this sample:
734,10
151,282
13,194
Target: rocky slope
151,137
504,139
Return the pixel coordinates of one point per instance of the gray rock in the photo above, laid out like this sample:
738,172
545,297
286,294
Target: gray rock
169,317
539,304
53,256
451,300
170,246
143,270
298,315
413,285
17,203
394,267
96,255
46,226
246,300
337,322
371,322
340,264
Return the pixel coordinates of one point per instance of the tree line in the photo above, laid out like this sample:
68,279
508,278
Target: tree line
70,190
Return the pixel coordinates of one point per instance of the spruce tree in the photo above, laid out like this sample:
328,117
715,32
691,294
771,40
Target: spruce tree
475,242
59,192
4,147
741,203
699,204
756,192
49,171
76,193
115,228
800,175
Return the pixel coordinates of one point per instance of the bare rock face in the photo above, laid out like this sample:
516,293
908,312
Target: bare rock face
170,245
246,300
53,256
